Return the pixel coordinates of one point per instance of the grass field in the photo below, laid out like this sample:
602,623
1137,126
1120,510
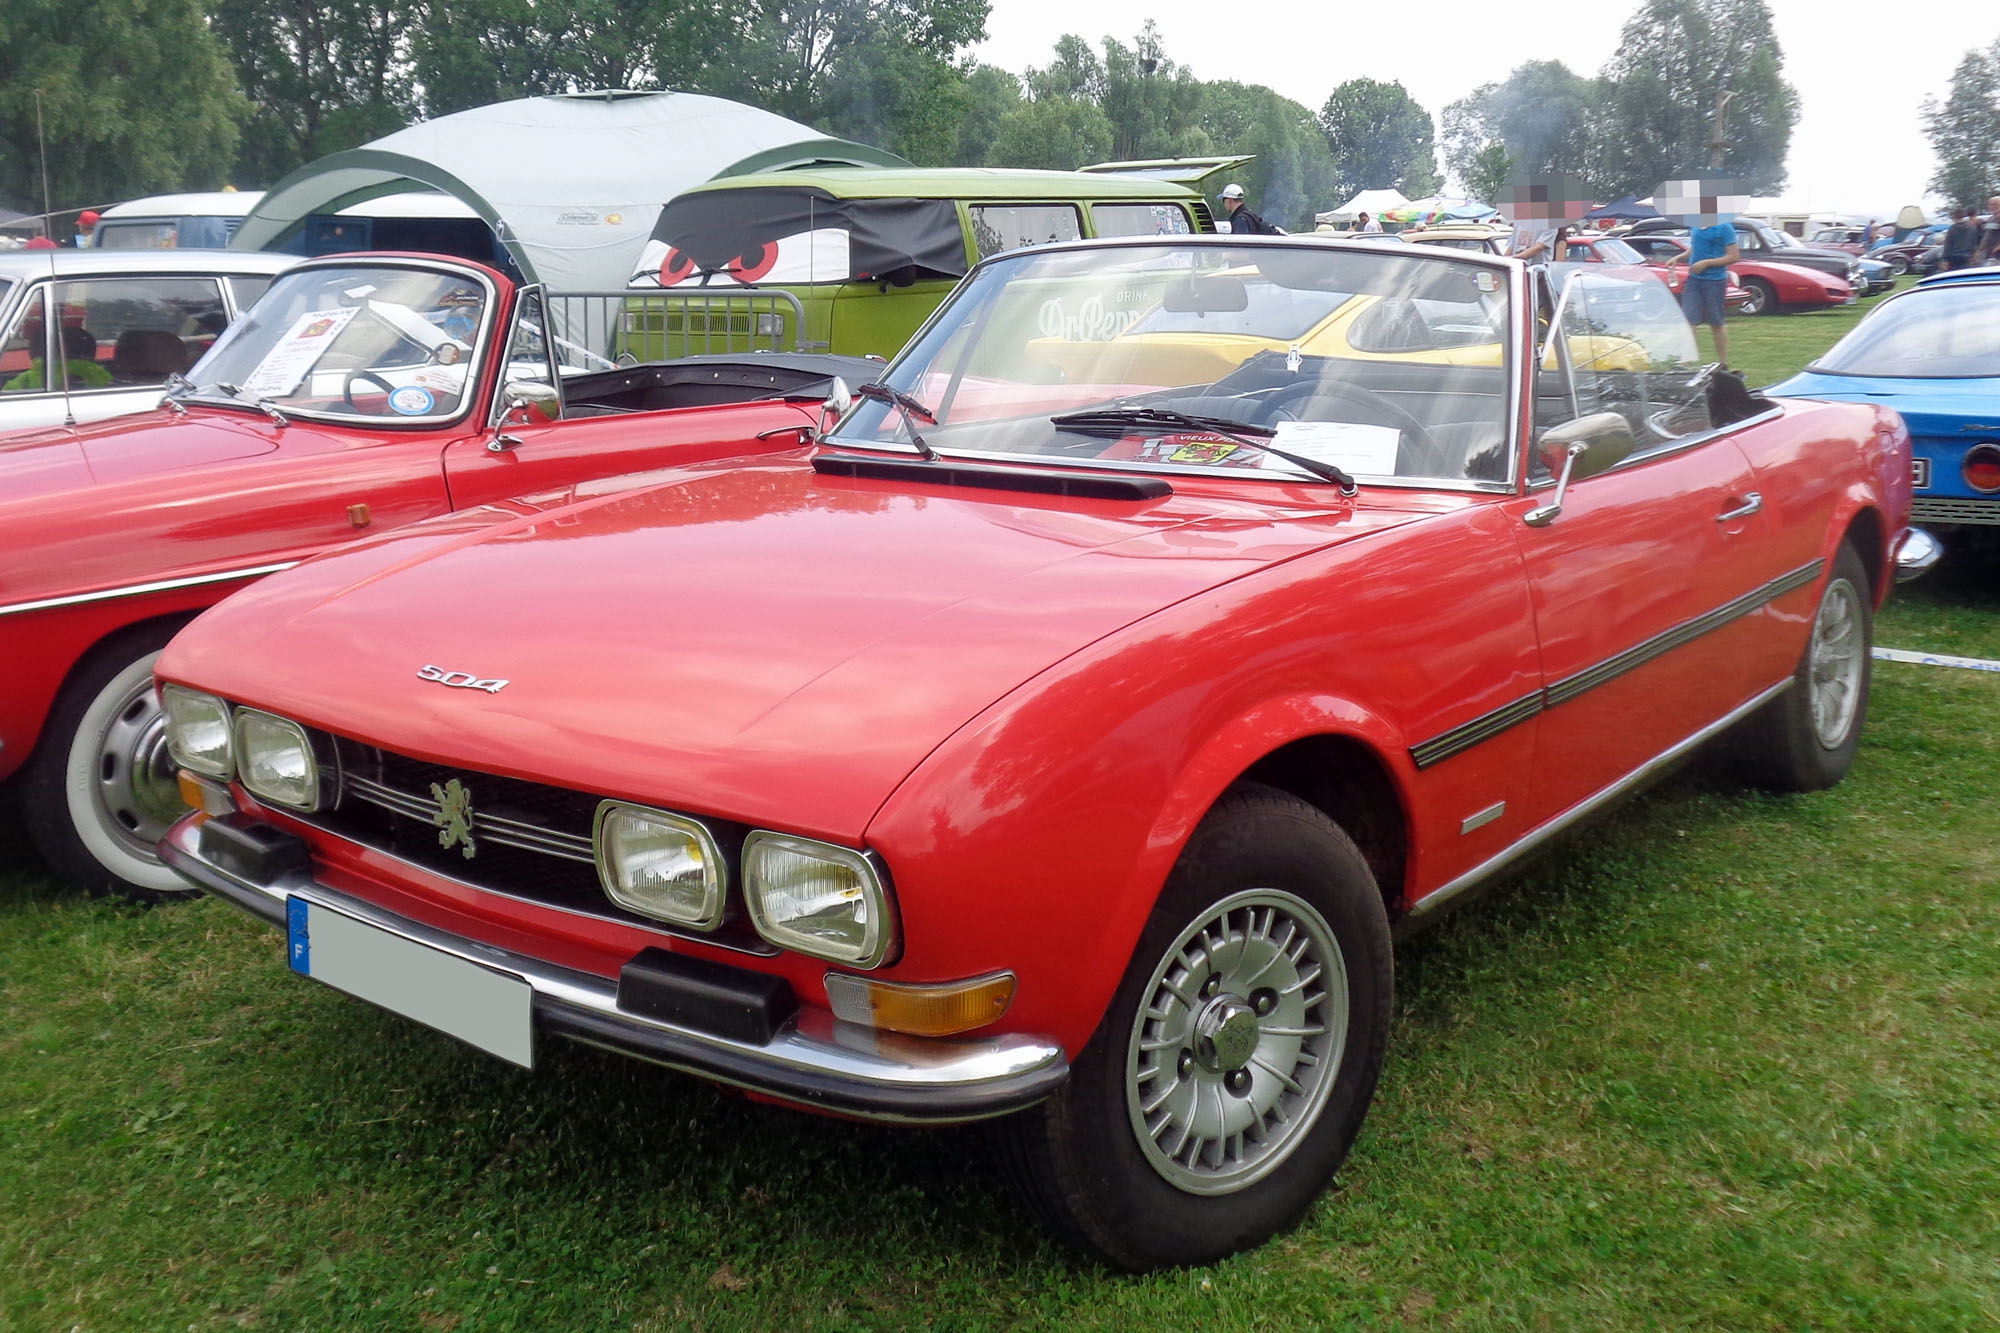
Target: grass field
1721,1061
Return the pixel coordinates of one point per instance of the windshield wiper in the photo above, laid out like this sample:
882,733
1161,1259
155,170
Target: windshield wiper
261,404
1249,436
913,410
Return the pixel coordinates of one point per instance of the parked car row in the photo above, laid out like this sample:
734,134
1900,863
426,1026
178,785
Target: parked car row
1055,723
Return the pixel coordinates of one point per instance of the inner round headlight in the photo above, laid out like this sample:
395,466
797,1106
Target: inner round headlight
816,898
275,759
660,865
198,731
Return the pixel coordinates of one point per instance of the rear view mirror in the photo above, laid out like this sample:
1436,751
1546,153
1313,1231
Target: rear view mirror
1577,449
838,399
1214,295
1588,445
532,403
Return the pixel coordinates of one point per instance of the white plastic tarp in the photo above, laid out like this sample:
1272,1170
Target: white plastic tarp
1372,202
572,184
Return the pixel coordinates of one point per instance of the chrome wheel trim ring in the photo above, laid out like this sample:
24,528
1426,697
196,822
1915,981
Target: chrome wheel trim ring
1237,1042
1835,663
134,789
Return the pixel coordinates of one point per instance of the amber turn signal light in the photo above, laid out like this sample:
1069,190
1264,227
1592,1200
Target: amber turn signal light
935,1009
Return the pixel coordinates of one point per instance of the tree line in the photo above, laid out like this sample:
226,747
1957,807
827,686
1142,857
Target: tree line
152,95
1964,131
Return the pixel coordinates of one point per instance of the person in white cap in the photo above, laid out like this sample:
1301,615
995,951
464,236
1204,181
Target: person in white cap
1243,222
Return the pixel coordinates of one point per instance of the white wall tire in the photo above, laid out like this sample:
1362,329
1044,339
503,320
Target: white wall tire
100,790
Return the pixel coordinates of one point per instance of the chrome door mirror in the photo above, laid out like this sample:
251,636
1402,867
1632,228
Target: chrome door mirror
532,403
838,399
1577,449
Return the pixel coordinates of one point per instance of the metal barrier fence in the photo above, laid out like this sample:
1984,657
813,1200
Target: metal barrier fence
596,330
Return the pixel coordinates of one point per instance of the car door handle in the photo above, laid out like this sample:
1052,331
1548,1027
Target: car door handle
1752,502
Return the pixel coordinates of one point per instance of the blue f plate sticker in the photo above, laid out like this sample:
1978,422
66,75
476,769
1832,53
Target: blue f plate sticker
300,952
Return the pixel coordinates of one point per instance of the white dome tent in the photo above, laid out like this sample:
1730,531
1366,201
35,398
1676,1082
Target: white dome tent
571,185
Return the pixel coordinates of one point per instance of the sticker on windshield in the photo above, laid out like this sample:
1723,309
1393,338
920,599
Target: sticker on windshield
412,400
1199,449
286,364
1486,282
1348,445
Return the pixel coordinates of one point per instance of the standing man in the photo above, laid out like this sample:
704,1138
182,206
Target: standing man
1370,224
1961,242
1989,235
1243,222
1711,250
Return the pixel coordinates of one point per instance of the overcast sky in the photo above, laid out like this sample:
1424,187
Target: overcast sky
1862,70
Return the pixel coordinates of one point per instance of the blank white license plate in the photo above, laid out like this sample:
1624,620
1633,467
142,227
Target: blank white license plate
478,1005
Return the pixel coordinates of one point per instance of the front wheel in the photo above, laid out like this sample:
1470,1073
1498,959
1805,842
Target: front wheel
1899,264
1239,1054
1763,297
101,790
1805,739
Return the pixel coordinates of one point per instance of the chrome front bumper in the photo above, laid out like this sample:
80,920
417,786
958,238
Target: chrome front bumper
1915,552
813,1059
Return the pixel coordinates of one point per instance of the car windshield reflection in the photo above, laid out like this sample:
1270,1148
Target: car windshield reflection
392,345
1387,367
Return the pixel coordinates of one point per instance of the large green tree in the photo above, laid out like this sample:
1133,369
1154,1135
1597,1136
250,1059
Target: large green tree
321,75
1292,175
1676,61
1543,116
1380,138
135,97
1153,104
1964,130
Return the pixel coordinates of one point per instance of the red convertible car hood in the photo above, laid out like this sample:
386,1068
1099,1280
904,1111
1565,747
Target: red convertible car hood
39,463
702,643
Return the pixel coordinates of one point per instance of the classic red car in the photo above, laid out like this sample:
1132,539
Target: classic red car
360,393
1065,733
1768,288
1610,251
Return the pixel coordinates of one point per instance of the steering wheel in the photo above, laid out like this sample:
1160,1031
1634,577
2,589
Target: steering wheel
347,388
1426,456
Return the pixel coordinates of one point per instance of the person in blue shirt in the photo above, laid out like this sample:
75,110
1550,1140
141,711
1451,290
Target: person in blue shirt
1711,250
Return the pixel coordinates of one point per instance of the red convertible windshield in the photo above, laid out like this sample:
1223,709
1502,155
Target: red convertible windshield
1180,355
381,343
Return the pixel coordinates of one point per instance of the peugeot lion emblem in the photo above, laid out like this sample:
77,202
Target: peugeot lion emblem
454,816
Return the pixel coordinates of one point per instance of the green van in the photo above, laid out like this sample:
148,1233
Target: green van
852,260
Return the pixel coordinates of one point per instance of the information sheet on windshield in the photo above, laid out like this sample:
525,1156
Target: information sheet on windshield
287,363
1348,445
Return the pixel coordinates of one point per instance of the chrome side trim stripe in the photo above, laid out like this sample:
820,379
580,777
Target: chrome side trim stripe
1681,635
1639,777
1481,728
1488,725
142,589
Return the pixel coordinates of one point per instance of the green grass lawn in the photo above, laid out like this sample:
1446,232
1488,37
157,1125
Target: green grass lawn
1720,1061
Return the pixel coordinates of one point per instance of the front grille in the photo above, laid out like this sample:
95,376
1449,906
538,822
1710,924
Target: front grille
1956,511
529,840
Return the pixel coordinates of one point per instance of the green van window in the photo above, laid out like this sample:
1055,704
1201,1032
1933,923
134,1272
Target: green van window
1140,219
998,227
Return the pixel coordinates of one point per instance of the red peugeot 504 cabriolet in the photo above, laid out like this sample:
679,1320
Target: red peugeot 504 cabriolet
360,392
1063,735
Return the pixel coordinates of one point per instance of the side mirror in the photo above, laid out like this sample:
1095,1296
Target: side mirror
1577,449
532,403
838,399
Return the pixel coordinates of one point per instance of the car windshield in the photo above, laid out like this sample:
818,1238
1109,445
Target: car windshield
1940,333
1189,355
1614,251
388,344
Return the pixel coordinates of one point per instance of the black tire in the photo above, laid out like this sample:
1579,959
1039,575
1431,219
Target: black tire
1268,875
1805,739
1763,297
100,788
1898,264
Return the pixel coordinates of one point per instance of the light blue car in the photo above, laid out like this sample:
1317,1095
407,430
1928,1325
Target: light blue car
1933,354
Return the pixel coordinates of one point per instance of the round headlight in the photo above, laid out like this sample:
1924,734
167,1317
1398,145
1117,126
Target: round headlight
275,759
816,898
198,731
660,865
